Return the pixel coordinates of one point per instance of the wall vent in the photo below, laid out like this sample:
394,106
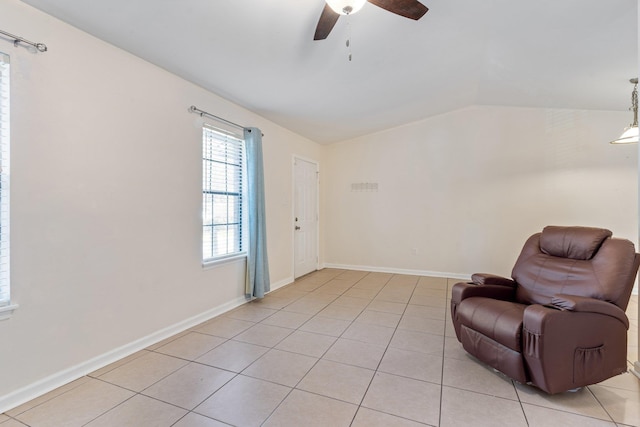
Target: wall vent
364,187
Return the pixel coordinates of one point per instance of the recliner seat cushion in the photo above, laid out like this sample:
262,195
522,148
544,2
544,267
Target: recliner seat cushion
498,320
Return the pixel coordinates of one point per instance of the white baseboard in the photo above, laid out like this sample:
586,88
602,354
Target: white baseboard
281,283
636,369
460,276
45,385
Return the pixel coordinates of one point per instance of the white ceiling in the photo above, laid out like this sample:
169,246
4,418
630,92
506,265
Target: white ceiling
261,54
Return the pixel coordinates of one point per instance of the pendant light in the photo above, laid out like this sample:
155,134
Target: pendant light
630,134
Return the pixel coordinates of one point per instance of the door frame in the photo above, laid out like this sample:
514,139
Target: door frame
293,211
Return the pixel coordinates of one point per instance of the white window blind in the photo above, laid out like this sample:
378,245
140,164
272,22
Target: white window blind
4,181
222,194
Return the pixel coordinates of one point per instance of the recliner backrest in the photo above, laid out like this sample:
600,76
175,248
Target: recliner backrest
580,261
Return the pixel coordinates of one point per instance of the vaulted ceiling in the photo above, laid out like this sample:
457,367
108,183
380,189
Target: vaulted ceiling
260,54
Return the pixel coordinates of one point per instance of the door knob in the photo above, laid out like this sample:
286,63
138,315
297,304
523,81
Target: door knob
297,228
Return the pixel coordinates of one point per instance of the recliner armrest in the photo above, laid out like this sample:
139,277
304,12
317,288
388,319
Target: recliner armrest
589,305
567,349
461,291
491,279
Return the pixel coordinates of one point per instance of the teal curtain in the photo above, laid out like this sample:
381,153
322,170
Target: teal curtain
257,276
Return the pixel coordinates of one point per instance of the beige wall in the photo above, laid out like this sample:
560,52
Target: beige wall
106,205
465,189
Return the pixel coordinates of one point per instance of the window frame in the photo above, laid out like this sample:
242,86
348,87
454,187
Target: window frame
6,305
212,133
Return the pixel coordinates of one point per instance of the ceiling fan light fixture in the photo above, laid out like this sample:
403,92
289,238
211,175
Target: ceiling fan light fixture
346,7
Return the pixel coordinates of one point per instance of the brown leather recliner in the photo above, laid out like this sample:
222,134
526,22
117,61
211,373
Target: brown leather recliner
560,322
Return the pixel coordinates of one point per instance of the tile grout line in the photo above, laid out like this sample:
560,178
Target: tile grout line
526,419
444,348
166,376
327,350
111,409
386,349
375,371
268,348
294,387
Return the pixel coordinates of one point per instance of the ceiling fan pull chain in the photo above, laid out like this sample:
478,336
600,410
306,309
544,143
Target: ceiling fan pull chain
349,37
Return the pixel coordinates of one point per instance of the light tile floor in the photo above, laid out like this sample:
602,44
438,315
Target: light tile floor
335,348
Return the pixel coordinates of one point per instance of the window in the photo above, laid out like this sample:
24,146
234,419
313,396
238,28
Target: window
5,300
222,194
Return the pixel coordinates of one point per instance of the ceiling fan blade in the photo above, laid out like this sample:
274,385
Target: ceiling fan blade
327,20
412,9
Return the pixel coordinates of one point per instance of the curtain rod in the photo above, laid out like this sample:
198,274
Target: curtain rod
193,109
40,47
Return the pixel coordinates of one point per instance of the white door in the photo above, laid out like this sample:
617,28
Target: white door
305,212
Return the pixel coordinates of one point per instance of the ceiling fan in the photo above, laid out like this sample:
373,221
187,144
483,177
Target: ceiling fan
412,9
